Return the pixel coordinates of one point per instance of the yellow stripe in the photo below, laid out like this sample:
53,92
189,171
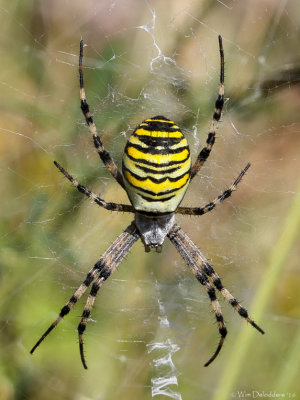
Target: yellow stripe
132,165
156,187
157,158
144,132
158,120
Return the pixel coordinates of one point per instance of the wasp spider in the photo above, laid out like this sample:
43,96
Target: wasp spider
156,171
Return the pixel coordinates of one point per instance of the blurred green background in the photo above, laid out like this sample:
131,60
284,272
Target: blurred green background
152,328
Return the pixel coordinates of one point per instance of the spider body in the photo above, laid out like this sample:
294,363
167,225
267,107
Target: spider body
156,169
156,172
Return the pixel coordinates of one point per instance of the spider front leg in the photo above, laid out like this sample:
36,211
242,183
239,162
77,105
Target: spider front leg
109,261
82,189
205,152
103,154
210,206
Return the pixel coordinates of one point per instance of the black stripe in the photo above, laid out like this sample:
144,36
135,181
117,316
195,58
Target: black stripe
223,331
219,102
225,194
219,318
208,270
155,180
89,279
81,328
151,150
243,312
218,284
157,141
212,294
84,190
155,171
155,214
152,164
73,299
84,107
105,273
201,278
95,289
99,264
164,125
86,313
160,200
64,311
233,302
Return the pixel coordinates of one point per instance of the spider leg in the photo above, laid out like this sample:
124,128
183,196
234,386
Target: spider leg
192,254
82,189
189,253
202,269
209,271
86,313
103,154
112,256
210,206
205,152
116,255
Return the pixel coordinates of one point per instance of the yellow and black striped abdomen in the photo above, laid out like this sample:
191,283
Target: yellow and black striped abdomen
156,166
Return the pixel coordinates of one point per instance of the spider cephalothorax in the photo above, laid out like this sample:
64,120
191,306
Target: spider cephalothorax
156,172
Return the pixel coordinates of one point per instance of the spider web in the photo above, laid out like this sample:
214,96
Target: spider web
153,328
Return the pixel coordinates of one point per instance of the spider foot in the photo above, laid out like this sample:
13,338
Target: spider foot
81,350
220,345
51,327
255,326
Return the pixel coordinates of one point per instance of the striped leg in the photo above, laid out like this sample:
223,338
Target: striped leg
205,152
179,239
210,206
202,263
104,155
86,313
76,296
113,256
217,310
108,206
209,271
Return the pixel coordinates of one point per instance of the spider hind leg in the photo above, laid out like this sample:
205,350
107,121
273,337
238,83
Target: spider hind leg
204,272
217,310
216,280
188,251
107,264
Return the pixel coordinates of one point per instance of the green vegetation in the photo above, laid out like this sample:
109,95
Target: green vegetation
51,236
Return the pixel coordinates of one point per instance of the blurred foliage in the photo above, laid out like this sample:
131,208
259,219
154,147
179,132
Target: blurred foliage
51,236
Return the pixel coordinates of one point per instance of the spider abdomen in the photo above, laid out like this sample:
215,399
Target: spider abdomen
156,166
